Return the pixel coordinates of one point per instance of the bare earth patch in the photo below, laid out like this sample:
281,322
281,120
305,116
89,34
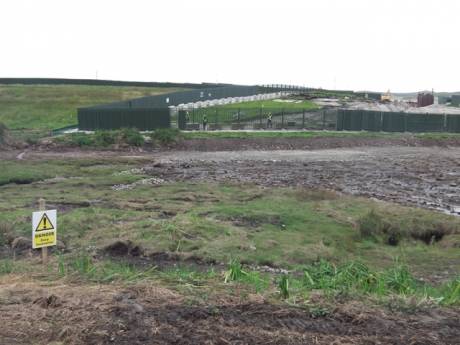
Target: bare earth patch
146,314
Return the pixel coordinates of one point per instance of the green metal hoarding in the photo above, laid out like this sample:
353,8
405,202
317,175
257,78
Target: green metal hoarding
114,118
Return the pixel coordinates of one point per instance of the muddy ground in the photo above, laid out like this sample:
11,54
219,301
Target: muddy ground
422,176
59,313
316,143
148,314
423,173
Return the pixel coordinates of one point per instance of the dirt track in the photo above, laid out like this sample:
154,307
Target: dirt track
427,177
146,314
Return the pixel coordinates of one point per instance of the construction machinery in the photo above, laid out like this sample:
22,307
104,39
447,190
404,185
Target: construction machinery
386,97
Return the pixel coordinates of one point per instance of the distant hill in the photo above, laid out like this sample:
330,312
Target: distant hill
99,82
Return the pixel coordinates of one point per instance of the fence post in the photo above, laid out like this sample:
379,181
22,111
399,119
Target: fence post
193,115
239,110
303,118
42,207
260,117
217,117
324,119
282,118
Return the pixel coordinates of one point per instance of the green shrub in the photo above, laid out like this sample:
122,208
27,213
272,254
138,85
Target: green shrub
166,136
356,276
105,138
81,139
132,136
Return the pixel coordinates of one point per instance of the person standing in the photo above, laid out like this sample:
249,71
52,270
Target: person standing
205,122
187,117
269,120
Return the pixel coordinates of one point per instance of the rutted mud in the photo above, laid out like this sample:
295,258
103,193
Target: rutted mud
147,314
426,177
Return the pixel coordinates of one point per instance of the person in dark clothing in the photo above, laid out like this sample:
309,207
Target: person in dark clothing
269,120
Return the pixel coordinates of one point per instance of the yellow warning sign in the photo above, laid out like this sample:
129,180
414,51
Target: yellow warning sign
44,224
44,239
44,229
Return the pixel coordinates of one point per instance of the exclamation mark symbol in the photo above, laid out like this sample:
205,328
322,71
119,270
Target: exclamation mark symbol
44,222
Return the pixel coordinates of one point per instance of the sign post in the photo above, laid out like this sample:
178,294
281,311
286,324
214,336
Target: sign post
44,229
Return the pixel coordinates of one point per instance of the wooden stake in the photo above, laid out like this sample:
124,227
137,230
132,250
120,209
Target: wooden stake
42,207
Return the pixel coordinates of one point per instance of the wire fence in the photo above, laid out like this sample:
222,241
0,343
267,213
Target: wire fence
256,118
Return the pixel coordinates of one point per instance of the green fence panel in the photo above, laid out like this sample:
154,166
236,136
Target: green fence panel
453,123
425,123
340,117
106,118
356,120
393,122
372,121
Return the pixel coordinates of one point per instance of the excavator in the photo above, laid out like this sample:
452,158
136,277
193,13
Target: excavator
386,97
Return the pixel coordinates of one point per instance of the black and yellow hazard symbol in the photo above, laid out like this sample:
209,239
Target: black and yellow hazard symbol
44,224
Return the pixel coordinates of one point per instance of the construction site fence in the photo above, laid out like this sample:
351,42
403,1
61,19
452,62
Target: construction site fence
254,118
143,119
376,121
179,98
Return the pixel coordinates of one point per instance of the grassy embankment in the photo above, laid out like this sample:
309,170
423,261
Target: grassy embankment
45,107
329,242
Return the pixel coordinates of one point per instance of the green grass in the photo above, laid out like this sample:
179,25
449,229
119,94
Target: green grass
270,104
54,106
228,113
281,227
83,266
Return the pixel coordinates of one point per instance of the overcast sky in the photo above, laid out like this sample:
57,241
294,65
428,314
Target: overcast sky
402,45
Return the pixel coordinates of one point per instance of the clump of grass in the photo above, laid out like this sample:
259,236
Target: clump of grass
6,233
80,139
83,266
166,136
131,136
391,229
283,285
105,138
371,225
121,271
6,266
450,292
234,272
356,277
